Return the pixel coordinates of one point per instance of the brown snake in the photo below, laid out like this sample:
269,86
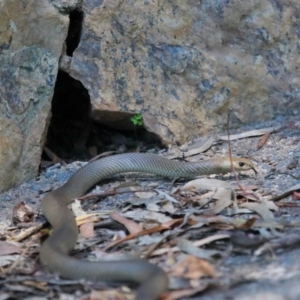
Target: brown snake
54,253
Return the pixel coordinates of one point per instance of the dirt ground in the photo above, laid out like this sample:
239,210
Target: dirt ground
212,248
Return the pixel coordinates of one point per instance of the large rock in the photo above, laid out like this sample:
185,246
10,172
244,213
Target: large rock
183,64
32,34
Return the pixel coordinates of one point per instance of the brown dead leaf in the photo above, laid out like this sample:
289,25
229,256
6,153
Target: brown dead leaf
179,294
22,213
193,268
7,248
131,226
87,230
263,140
246,224
296,196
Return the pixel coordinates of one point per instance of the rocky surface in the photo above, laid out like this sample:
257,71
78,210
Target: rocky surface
32,34
183,64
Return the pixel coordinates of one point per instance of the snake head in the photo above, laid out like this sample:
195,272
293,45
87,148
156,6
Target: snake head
243,164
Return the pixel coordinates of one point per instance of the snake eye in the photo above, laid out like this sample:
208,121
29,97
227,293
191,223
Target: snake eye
241,164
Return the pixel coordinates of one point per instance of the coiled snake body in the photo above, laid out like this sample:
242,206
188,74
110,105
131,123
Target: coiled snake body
54,251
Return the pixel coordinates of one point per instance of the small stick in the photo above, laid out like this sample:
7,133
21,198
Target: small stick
26,233
245,193
230,154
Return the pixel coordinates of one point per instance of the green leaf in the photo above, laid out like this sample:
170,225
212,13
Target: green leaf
137,120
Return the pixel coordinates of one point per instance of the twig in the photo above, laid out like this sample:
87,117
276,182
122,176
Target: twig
245,193
26,233
230,155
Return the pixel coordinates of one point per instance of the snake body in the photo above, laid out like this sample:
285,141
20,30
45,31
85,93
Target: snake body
54,253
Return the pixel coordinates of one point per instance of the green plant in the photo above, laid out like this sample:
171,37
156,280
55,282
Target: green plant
137,120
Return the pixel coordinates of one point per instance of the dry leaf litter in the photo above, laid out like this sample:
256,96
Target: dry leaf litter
213,239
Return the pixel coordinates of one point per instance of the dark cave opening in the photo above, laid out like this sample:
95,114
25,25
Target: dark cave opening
73,134
70,121
74,32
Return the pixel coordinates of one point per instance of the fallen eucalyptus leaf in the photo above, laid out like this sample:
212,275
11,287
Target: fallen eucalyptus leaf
131,226
147,195
200,146
188,247
224,199
87,230
260,208
205,184
168,207
249,133
193,268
